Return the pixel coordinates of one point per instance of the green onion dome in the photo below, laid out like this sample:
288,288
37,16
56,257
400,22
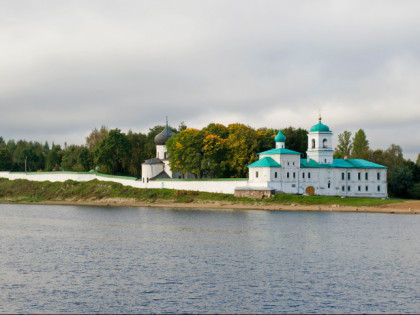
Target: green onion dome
280,137
320,127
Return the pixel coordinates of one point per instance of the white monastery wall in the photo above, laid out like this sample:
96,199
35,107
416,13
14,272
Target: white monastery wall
226,187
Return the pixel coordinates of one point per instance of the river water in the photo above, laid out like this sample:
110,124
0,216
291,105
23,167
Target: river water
68,259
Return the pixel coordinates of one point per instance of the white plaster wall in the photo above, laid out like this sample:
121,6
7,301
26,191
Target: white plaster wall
151,170
160,152
290,160
275,157
320,177
226,187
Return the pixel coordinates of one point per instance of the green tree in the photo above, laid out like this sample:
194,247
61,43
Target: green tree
185,151
6,162
32,153
266,139
360,145
96,136
393,156
217,129
414,191
137,154
85,159
54,158
71,160
112,151
214,163
344,146
242,149
377,156
400,181
418,159
296,139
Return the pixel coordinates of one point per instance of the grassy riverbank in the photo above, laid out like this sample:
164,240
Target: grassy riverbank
27,191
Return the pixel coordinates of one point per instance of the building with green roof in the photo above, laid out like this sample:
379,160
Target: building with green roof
284,170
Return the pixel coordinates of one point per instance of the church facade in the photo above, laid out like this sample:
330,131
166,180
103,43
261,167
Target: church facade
158,167
284,171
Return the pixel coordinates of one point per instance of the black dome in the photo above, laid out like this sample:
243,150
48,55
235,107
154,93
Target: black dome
162,137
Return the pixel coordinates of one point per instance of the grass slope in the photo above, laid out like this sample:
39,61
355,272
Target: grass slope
21,190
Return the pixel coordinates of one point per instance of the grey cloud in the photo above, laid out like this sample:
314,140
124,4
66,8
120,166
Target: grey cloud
71,66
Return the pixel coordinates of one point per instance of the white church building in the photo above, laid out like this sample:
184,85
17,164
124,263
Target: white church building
281,170
285,171
158,167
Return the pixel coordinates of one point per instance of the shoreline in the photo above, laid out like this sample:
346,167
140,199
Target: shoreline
407,207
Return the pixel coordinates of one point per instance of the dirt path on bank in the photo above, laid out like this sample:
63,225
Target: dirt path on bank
407,207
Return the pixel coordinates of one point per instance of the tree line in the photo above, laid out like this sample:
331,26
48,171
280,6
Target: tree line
403,175
107,151
215,151
219,151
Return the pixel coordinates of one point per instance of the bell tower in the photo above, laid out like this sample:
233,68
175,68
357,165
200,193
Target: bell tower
320,143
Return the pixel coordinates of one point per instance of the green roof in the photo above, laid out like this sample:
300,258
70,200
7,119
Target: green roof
265,162
280,137
341,163
279,151
320,127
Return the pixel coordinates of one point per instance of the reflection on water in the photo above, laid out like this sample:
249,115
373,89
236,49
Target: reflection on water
140,260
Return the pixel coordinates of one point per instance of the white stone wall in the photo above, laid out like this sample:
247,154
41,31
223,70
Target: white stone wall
319,178
226,187
333,182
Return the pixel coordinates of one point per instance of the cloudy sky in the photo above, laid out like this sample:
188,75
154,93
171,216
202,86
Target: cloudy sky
70,66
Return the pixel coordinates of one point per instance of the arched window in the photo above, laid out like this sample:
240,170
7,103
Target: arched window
325,143
313,143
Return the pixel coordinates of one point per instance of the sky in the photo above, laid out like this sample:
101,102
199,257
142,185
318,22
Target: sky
68,67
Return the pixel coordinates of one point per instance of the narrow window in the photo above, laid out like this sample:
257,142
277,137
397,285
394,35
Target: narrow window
325,160
378,176
329,184
342,176
309,175
348,176
293,163
275,174
294,175
379,187
325,144
359,176
359,188
343,188
303,175
367,188
256,174
313,143
348,188
366,175
288,163
287,174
